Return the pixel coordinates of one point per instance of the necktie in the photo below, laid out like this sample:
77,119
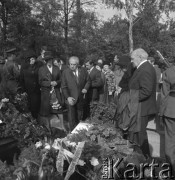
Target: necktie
76,77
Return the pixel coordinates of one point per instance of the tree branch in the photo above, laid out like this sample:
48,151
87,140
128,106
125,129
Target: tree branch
71,6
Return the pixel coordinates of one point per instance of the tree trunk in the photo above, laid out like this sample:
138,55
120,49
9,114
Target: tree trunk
131,25
78,27
4,24
66,23
78,32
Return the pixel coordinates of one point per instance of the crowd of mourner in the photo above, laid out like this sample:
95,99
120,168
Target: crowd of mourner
139,88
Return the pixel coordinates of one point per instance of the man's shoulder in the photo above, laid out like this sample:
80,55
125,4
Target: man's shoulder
147,67
95,71
66,70
42,68
83,69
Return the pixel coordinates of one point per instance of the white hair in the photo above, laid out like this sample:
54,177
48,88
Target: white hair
142,54
75,58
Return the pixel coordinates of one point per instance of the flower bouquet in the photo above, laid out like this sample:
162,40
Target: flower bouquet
55,105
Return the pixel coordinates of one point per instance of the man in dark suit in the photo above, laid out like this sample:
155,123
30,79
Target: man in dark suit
96,81
75,85
59,63
96,84
144,80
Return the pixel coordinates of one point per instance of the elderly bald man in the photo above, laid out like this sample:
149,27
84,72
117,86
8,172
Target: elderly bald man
144,80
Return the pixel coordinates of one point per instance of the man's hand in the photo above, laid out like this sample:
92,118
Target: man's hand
53,83
84,91
71,101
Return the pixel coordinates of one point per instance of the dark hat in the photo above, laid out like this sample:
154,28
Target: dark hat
124,60
106,63
48,55
29,54
100,65
12,50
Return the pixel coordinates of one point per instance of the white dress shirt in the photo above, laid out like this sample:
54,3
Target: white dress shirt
141,63
76,72
91,69
50,69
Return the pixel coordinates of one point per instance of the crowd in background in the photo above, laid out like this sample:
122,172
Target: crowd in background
134,83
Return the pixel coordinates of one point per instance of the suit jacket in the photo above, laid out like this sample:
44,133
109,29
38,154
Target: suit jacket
63,67
168,86
144,80
69,85
96,83
45,78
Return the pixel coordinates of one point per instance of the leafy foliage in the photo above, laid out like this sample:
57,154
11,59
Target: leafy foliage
102,111
6,172
19,124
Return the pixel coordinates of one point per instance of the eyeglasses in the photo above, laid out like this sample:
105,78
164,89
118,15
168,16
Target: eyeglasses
73,64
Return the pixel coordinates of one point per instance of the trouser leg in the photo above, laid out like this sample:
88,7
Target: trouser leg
143,137
170,140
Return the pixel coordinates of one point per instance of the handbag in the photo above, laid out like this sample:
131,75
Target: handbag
54,102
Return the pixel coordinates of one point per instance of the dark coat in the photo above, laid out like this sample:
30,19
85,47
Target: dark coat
45,78
96,83
70,87
29,84
10,78
168,93
29,77
63,67
124,82
144,80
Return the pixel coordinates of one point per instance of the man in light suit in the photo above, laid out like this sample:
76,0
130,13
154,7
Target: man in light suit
74,85
168,113
144,80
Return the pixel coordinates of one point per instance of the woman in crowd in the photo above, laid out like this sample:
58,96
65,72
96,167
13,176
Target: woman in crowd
29,82
102,90
50,82
110,83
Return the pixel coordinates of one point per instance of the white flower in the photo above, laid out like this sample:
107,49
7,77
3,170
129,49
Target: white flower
55,146
0,121
73,144
81,163
38,144
94,161
47,146
5,100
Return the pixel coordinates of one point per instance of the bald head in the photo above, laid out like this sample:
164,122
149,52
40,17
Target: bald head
138,56
73,62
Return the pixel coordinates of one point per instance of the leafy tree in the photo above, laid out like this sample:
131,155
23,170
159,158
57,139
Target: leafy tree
14,14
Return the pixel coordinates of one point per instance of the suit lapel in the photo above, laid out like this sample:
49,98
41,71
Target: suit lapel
91,73
135,75
72,75
79,75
